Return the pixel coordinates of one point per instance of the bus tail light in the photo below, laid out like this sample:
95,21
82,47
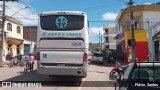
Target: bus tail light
38,56
85,56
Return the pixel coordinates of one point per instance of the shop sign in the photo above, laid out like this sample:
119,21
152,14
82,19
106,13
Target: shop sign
14,41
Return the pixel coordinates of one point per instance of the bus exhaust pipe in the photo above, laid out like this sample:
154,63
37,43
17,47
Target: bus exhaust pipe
79,71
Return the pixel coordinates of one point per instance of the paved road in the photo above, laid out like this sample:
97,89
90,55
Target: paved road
97,79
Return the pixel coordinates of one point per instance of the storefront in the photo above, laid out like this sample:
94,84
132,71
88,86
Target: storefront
121,44
141,45
13,46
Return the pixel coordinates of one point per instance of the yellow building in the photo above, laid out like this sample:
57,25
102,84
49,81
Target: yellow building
142,14
13,40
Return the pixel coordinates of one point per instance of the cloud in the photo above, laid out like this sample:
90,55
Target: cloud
94,34
95,30
147,3
109,16
25,15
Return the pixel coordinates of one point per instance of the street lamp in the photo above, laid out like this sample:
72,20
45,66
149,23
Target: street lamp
20,10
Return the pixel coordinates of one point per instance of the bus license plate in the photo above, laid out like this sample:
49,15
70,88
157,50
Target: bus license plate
60,64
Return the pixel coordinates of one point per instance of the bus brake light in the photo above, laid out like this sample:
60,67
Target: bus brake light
85,56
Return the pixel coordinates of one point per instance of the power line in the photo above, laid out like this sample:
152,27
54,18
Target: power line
122,1
22,15
97,7
28,18
19,14
91,21
101,21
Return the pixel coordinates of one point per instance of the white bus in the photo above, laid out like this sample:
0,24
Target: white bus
62,43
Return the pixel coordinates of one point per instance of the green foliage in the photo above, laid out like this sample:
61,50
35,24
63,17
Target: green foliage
94,46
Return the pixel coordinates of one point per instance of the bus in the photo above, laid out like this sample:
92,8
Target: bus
62,43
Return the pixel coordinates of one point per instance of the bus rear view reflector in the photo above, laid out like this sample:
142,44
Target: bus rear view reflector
85,56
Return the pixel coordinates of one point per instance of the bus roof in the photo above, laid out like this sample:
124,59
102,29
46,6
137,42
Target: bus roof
63,12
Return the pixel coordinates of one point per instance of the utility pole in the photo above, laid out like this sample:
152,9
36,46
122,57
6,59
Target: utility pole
2,32
99,39
132,31
101,43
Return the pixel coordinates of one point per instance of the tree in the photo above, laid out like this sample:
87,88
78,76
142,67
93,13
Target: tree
94,46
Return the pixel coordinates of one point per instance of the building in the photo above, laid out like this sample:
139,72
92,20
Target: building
30,36
142,14
109,34
13,38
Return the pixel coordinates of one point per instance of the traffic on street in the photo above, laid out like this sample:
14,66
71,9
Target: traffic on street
97,78
79,45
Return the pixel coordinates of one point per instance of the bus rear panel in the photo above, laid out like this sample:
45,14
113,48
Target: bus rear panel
62,43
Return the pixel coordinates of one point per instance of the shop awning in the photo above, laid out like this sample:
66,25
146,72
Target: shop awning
13,40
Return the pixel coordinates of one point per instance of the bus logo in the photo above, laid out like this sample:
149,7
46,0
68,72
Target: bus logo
61,22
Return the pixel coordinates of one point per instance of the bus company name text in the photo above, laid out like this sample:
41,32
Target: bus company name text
60,34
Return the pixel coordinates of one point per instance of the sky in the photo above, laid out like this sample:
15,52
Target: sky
99,12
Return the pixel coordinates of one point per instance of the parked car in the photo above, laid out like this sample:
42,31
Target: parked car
140,76
97,57
89,56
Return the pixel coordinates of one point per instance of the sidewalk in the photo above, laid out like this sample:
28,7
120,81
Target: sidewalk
6,62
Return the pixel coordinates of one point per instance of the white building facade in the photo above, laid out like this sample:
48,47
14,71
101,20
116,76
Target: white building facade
109,34
13,39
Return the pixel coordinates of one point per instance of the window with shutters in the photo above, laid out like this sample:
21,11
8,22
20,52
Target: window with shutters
9,26
18,29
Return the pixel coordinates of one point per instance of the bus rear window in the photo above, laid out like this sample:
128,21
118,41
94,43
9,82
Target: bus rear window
62,22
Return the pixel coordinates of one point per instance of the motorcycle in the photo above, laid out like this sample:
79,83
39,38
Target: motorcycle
15,62
118,68
29,64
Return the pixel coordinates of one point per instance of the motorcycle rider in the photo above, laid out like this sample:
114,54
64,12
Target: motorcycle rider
31,60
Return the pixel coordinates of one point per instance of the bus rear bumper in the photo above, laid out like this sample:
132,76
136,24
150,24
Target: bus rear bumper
62,71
